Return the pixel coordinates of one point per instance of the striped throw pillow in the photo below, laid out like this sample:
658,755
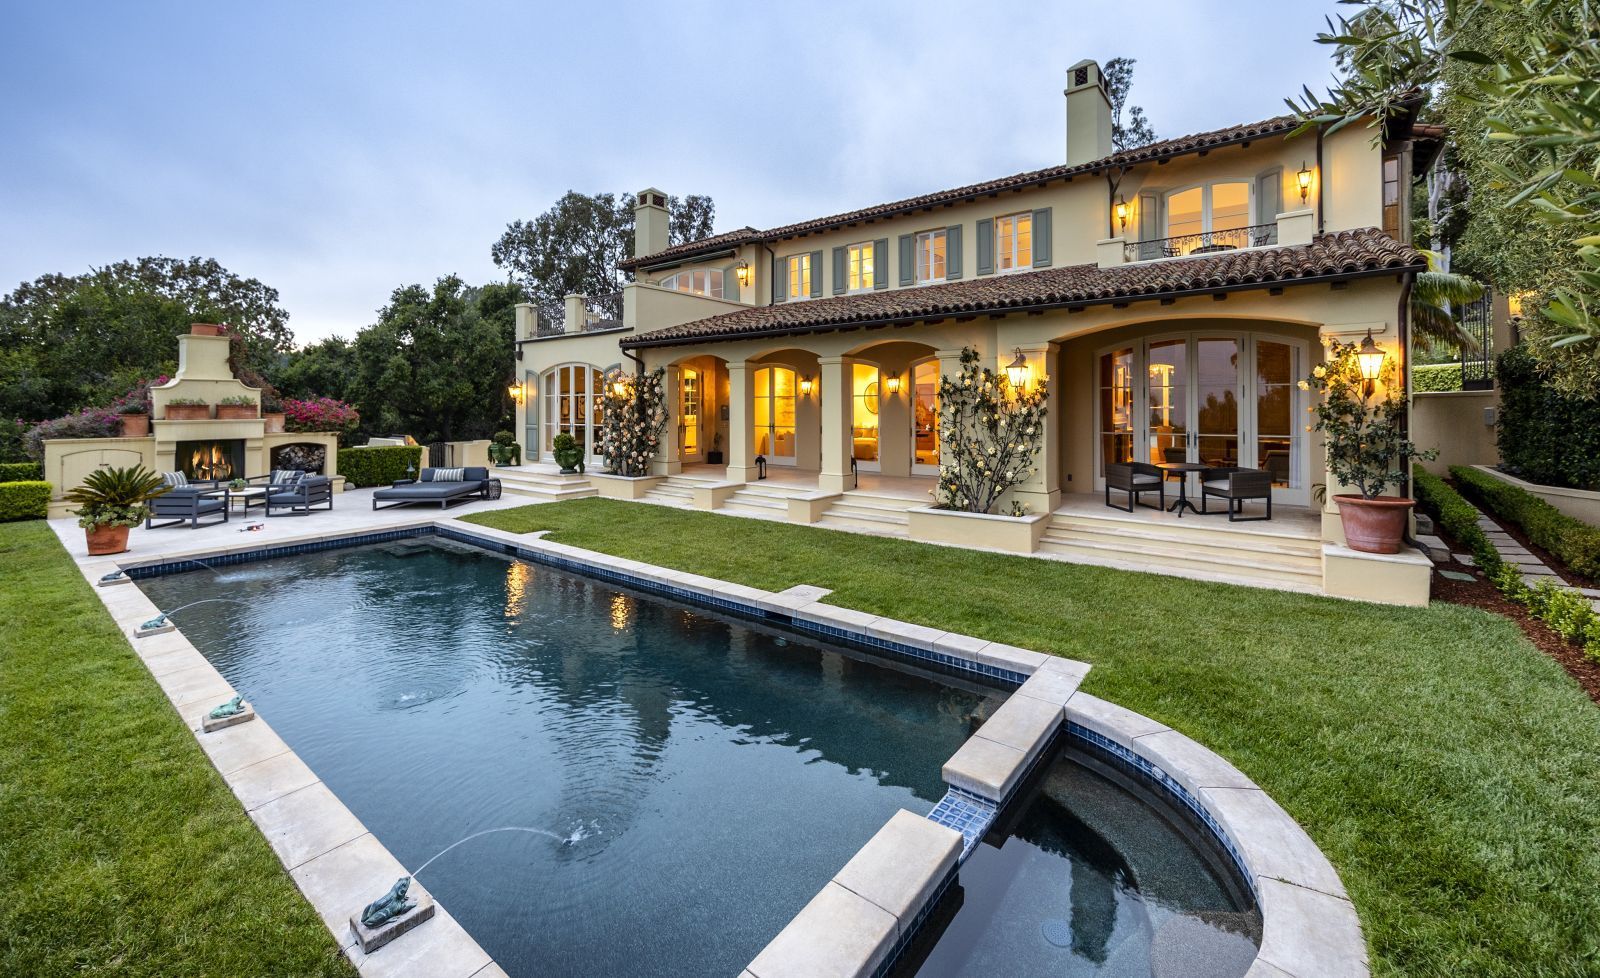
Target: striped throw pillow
286,477
449,475
175,480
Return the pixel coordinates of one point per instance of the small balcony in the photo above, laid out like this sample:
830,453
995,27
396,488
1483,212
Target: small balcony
586,313
1202,243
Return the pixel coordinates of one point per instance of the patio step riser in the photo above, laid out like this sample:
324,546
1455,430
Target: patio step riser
1269,552
1310,580
1179,555
1228,535
900,530
531,493
870,518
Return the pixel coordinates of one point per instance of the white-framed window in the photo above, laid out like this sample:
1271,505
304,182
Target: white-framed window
930,256
800,277
701,281
858,265
1207,208
1013,242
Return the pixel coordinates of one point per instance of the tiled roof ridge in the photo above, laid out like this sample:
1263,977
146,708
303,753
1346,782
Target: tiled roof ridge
1162,148
1353,253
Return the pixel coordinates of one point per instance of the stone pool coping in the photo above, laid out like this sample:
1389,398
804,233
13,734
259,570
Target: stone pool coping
868,912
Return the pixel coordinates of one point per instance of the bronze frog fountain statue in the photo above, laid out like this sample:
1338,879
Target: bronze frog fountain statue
389,906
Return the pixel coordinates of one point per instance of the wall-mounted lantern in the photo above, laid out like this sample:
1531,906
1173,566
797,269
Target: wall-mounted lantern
1370,357
1122,212
806,386
892,385
743,271
1304,176
517,393
1017,371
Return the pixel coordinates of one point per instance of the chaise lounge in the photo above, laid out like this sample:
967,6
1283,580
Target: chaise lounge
442,486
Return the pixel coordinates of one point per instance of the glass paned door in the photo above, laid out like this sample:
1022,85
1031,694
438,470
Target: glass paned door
1274,435
1167,363
774,414
925,418
864,416
1217,399
1116,407
689,415
572,404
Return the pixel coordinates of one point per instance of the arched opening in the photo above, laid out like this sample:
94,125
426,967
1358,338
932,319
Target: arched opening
573,401
697,403
894,409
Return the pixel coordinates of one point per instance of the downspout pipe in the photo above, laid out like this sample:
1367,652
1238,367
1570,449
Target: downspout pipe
1402,329
772,262
1321,183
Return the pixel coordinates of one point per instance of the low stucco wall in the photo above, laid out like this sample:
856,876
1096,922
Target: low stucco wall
1459,425
1580,504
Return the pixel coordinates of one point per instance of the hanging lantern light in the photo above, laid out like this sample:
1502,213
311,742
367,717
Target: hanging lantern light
1371,357
1017,371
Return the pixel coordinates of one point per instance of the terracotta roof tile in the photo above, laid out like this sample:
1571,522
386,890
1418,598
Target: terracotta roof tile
1353,254
1164,149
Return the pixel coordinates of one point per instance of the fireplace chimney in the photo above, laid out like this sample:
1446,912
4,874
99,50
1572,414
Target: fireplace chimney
649,222
1088,114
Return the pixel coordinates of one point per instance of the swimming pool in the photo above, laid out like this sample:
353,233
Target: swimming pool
684,780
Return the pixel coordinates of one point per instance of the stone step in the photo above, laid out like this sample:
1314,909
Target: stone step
1178,555
1205,541
1197,569
899,530
752,500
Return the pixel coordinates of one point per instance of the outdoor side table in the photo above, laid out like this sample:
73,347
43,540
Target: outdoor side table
494,489
1183,469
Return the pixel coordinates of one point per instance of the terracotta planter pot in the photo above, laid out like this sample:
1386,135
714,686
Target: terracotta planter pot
106,540
1374,526
188,412
135,425
236,412
274,420
205,329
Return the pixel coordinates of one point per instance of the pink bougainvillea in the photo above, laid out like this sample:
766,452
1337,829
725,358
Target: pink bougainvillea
319,414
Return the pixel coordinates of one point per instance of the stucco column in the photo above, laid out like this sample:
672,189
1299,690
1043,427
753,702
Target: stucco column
835,404
1041,491
667,460
741,423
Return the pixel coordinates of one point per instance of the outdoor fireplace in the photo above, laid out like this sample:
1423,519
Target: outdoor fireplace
212,459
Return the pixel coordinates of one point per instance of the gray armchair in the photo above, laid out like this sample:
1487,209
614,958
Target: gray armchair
299,496
1134,478
187,504
1236,486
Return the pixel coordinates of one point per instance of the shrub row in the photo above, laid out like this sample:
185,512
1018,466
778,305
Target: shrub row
24,501
1545,436
1436,377
1564,610
380,465
21,471
1575,542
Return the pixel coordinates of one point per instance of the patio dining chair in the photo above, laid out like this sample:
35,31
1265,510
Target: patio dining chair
1134,478
1236,486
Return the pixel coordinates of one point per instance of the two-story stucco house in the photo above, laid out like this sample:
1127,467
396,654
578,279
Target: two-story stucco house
1174,295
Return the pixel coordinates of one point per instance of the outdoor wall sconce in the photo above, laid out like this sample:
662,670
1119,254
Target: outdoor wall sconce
619,388
516,392
1304,177
1017,371
806,386
1122,212
892,385
1371,358
743,271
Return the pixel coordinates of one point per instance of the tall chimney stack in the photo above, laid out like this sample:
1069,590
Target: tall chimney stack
1088,114
649,222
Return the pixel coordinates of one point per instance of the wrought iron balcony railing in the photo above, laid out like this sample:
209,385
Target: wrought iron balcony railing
1204,243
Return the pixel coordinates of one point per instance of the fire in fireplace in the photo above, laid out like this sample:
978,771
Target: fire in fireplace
201,460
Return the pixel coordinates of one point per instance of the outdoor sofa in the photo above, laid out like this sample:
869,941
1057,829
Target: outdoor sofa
441,486
186,502
294,493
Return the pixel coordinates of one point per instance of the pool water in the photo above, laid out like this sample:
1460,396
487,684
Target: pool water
701,777
1090,873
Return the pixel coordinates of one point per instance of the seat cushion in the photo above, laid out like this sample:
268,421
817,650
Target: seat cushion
1218,484
1145,480
429,490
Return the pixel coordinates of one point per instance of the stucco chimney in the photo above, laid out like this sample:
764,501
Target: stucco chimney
649,222
1088,114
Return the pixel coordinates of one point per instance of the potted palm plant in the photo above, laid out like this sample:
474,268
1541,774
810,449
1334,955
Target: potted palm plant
110,502
1366,443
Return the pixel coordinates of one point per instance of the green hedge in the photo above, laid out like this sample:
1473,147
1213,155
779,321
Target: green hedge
1455,516
379,466
1575,542
21,471
24,501
1545,436
1436,377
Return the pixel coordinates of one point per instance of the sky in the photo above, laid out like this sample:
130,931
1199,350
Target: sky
338,151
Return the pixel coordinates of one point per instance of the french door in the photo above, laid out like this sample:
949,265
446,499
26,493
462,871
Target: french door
925,418
1224,399
774,414
864,416
689,415
573,402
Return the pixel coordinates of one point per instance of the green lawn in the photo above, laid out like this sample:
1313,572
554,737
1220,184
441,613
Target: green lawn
1444,765
121,850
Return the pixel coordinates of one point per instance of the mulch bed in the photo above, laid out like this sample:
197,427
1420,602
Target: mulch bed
1479,593
1550,560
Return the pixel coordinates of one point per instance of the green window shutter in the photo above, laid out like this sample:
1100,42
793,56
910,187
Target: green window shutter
908,260
780,279
880,263
816,274
1149,226
986,246
952,252
841,272
730,283
1269,196
1041,238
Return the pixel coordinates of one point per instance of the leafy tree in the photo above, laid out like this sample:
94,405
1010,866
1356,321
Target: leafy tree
1435,296
69,341
434,364
574,247
327,367
1118,74
1520,86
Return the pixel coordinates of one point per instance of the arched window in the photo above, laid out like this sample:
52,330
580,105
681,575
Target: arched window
573,401
774,414
701,281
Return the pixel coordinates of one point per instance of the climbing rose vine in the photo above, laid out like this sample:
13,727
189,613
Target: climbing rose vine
635,415
989,435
